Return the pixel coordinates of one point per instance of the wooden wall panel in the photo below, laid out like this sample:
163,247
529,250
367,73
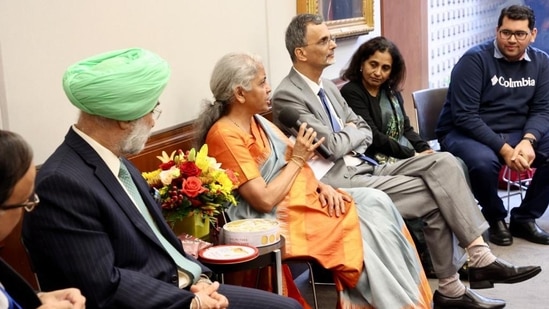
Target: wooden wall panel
405,23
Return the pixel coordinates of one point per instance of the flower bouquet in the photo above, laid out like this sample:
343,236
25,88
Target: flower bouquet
191,184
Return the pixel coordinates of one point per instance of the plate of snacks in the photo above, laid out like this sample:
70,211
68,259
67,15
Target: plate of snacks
228,254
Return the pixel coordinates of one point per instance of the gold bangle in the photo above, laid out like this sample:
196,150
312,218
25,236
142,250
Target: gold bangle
299,157
296,161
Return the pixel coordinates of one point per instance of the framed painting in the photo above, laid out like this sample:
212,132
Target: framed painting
345,18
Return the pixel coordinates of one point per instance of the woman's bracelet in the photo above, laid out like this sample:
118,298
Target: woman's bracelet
297,162
300,158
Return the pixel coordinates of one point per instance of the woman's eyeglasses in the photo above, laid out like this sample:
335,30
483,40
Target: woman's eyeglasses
28,205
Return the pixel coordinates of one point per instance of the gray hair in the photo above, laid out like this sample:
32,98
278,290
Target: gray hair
296,32
233,70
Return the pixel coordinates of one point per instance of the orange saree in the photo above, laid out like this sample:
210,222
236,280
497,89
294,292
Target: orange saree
368,249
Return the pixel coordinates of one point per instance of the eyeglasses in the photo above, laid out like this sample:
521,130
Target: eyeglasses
519,35
323,42
156,112
29,205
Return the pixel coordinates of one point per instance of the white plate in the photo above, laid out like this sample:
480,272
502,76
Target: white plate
228,254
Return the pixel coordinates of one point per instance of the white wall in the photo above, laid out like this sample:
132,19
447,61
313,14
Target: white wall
454,28
40,39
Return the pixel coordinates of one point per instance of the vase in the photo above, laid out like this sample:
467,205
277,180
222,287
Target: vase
193,225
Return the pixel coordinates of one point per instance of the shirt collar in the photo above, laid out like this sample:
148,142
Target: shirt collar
112,161
499,55
315,86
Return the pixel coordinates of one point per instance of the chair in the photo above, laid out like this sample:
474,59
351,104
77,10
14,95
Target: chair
309,263
520,183
428,104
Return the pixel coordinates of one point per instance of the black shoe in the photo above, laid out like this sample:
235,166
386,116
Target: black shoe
529,231
463,272
469,300
499,233
500,272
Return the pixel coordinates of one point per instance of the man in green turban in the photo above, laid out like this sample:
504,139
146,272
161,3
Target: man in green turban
98,226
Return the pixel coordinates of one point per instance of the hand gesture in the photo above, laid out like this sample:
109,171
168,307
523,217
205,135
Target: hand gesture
519,158
333,199
305,146
523,156
208,296
62,299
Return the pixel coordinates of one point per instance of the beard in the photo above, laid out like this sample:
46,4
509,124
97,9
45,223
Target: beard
136,139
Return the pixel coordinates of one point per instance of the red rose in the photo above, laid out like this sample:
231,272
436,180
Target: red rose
166,166
192,186
196,203
189,169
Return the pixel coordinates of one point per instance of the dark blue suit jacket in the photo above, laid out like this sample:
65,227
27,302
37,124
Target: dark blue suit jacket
87,233
17,287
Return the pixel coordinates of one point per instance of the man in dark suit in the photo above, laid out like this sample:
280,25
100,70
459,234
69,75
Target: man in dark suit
98,227
431,187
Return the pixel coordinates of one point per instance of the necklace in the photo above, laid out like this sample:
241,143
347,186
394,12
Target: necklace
236,124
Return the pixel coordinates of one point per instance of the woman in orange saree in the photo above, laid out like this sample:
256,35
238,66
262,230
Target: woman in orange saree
356,233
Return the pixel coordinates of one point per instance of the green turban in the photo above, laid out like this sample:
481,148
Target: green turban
123,84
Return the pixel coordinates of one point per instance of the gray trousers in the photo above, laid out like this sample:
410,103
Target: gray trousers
432,187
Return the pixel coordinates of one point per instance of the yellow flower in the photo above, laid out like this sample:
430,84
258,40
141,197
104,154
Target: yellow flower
202,160
152,178
165,158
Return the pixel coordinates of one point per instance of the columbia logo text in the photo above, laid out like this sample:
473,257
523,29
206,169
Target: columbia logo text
510,83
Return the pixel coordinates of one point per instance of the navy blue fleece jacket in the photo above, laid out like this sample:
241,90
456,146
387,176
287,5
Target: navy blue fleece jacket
489,95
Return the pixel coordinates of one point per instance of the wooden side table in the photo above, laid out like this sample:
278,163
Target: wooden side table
270,255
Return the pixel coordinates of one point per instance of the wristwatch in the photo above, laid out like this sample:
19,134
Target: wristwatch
532,141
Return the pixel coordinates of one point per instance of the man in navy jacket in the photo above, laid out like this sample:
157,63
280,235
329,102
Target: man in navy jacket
497,112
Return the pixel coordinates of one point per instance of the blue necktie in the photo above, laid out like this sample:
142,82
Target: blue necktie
336,127
187,266
333,120
364,157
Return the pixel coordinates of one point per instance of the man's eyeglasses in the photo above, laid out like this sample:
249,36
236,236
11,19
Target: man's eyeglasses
156,112
323,42
28,205
519,35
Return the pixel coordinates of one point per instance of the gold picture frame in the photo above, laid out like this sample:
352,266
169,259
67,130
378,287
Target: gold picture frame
353,18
